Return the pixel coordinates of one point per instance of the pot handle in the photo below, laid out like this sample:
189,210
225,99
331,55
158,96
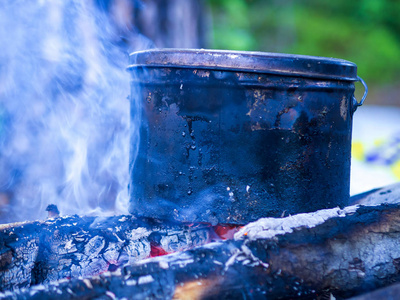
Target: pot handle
356,104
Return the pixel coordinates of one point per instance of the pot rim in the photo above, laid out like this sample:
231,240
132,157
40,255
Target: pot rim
246,61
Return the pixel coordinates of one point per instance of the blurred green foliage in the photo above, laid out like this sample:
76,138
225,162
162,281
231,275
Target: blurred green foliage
366,32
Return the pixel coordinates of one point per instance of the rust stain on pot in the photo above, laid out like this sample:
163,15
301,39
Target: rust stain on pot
167,71
148,98
287,110
240,76
257,126
202,73
343,108
257,101
324,111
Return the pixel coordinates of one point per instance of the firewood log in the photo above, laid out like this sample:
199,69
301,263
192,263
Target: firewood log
69,247
344,252
389,194
391,292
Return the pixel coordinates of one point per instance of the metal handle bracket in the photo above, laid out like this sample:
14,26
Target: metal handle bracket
356,104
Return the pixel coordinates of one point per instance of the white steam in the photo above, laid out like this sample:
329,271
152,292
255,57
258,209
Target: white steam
64,108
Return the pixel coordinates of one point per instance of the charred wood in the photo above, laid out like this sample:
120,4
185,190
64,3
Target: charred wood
343,252
71,247
389,194
391,292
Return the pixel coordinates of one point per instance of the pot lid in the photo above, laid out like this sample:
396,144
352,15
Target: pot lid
258,62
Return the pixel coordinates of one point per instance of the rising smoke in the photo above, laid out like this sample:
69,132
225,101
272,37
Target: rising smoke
64,108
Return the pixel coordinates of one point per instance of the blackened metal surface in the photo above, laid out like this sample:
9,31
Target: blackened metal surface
231,147
261,62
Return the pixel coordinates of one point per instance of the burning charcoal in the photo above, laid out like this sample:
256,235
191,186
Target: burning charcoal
53,211
155,244
226,231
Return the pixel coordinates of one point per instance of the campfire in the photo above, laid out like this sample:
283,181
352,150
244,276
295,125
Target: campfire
237,164
73,247
197,228
340,252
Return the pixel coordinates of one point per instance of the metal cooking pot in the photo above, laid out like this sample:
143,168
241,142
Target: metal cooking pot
229,137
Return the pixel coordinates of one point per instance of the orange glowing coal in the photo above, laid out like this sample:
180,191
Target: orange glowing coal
226,231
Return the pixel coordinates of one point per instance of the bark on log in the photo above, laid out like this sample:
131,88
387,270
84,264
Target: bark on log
343,252
391,292
389,194
69,247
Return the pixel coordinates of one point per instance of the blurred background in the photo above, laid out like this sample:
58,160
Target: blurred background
366,32
64,113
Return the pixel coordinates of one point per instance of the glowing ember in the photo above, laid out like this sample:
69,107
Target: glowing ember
155,245
226,231
156,250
